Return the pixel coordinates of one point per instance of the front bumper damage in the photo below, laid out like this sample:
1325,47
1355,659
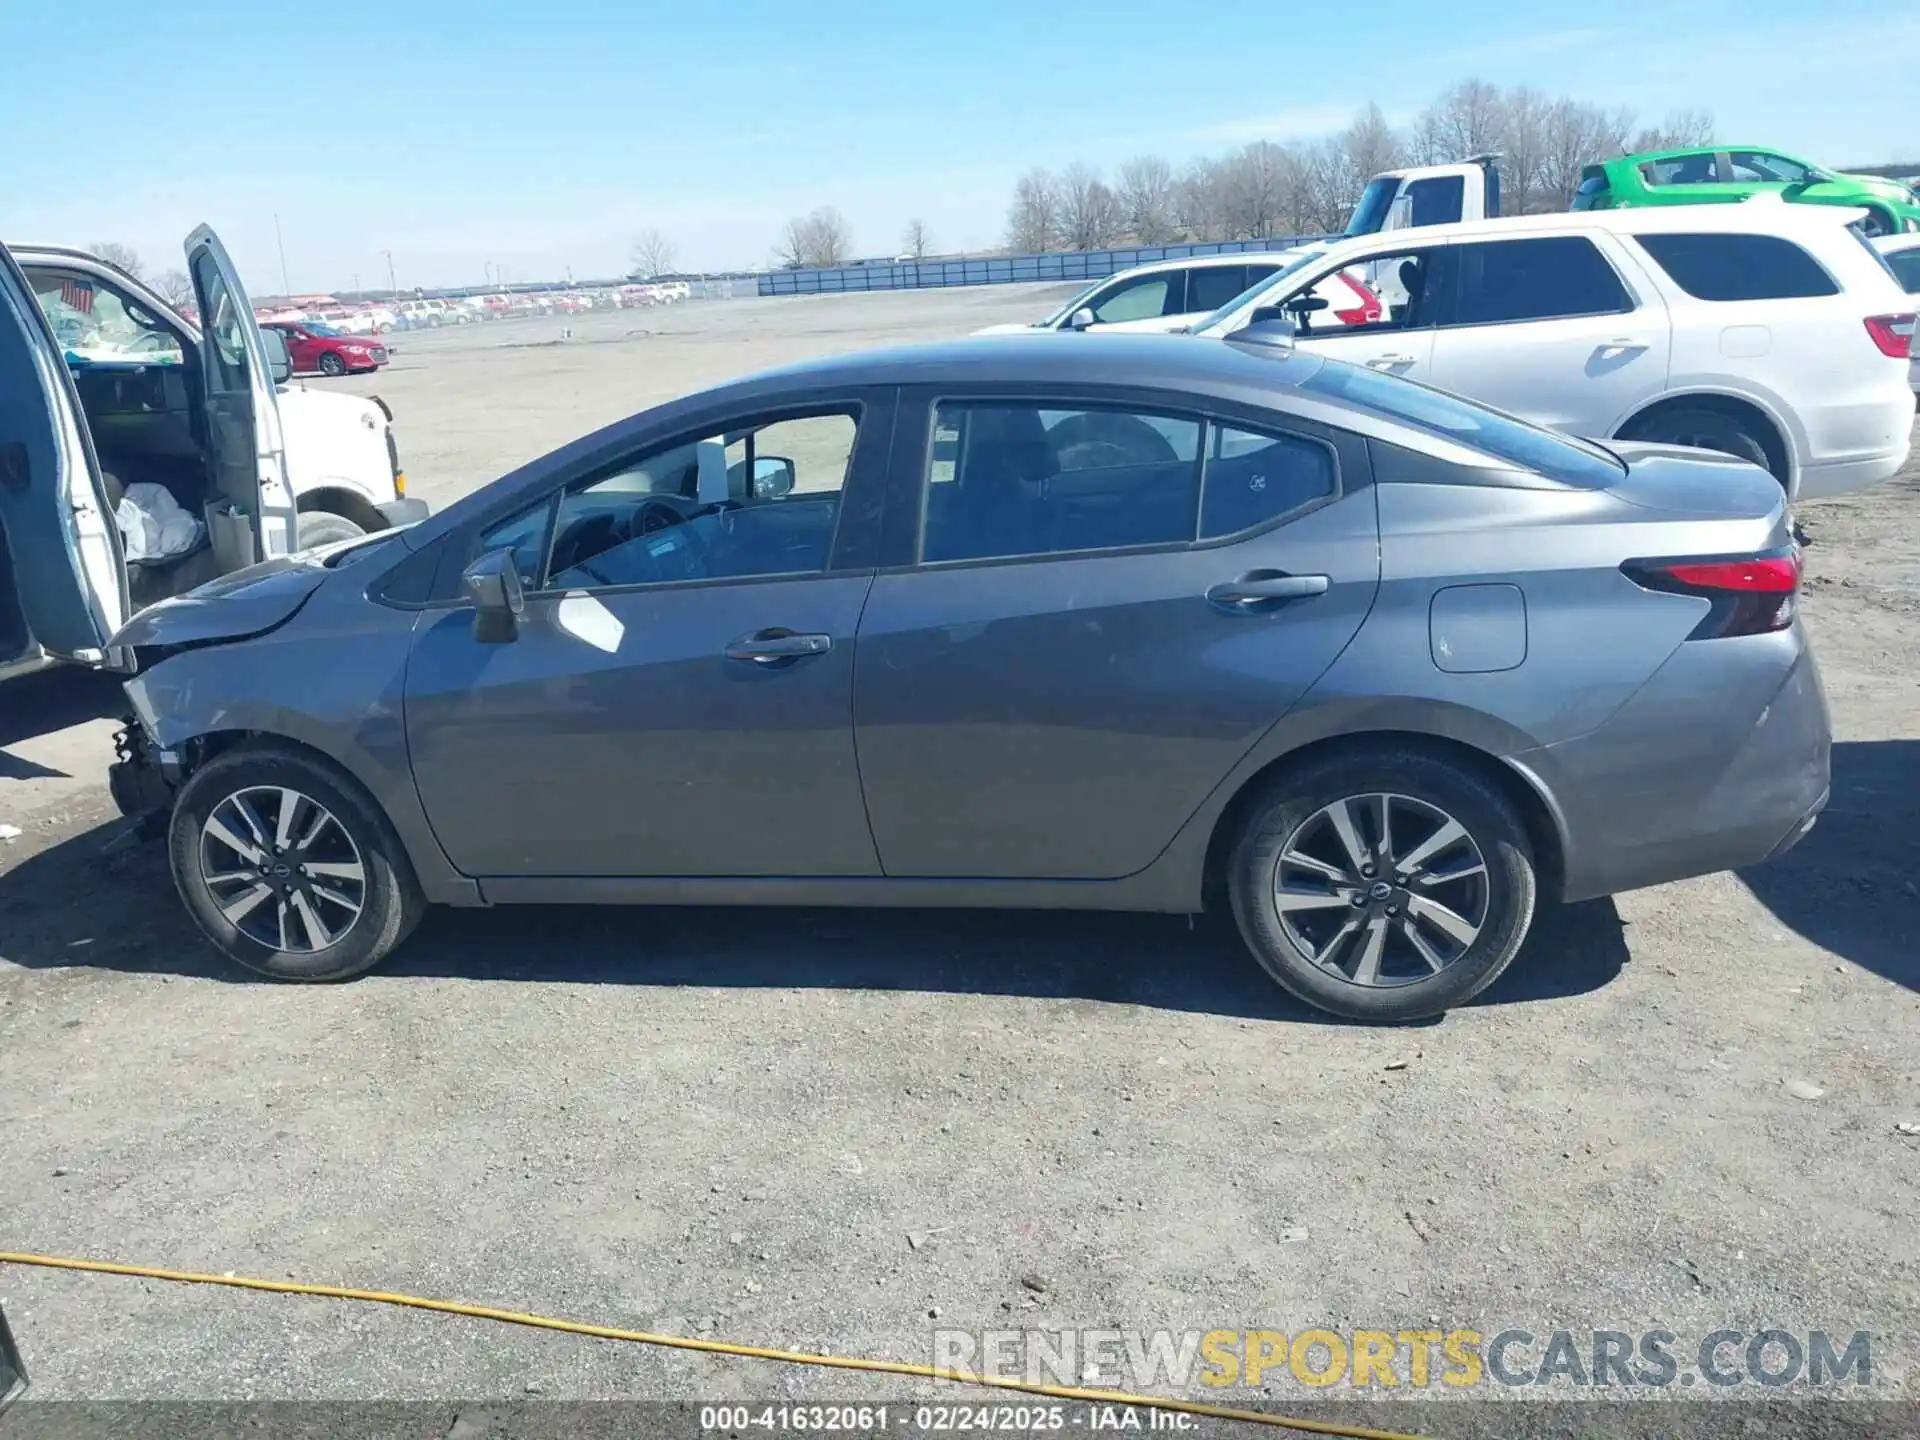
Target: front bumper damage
142,781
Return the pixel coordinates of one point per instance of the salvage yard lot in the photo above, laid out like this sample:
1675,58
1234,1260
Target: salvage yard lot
821,1127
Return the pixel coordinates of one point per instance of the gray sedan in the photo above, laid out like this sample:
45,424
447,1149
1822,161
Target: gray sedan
1129,624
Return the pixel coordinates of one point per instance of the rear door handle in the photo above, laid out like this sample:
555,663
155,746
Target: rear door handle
1388,362
1626,342
777,647
1259,590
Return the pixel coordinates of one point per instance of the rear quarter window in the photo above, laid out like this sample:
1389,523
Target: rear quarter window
1905,265
1728,267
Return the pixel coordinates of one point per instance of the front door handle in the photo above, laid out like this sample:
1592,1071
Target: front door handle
1260,590
777,647
1626,342
1390,362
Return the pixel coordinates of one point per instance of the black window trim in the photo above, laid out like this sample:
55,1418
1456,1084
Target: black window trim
1209,417
1451,309
458,546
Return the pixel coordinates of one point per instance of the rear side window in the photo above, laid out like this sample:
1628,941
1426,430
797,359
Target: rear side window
1212,286
1738,267
1535,280
1252,477
1033,481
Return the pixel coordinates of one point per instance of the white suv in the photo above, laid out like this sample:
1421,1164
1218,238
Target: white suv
1165,295
1769,331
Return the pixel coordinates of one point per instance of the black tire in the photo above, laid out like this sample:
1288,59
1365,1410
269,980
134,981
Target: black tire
390,900
1491,824
1706,430
323,527
332,364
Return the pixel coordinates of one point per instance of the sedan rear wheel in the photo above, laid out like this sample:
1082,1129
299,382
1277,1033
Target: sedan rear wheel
289,867
1384,886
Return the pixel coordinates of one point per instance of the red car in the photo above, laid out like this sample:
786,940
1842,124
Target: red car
316,345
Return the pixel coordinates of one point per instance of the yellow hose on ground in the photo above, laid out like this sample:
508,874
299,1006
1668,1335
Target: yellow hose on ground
711,1347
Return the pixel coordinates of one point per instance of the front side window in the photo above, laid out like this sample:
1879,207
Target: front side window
1729,267
1558,457
1766,167
224,323
1540,279
1023,480
1147,297
758,500
1397,291
95,323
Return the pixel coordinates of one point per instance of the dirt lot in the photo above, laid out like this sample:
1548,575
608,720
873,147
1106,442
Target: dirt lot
828,1128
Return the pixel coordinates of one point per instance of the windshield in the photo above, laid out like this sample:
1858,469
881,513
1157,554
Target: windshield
1248,300
1558,457
1080,297
1371,213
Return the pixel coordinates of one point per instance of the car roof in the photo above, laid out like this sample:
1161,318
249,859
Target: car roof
1751,217
1639,157
1229,257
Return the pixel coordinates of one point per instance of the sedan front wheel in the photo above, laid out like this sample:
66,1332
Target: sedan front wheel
1384,886
289,867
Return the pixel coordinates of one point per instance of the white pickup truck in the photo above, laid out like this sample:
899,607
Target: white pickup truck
104,387
1428,195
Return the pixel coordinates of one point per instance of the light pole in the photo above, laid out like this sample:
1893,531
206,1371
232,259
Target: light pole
281,245
392,287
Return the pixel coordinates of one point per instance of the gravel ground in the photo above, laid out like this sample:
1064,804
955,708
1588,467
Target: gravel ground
845,1129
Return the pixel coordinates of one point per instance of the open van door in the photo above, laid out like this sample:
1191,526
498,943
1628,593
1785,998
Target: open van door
65,549
243,417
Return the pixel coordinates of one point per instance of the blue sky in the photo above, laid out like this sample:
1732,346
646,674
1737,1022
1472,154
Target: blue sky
540,137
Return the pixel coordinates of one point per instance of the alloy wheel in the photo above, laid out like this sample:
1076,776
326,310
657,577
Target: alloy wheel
282,869
1381,890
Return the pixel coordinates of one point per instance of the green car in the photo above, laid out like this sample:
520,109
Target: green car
1714,176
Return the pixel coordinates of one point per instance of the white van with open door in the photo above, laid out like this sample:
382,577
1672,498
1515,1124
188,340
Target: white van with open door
202,431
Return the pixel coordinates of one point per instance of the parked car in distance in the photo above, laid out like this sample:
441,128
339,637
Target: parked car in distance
1171,294
1690,326
1902,254
1729,174
1120,622
318,348
104,387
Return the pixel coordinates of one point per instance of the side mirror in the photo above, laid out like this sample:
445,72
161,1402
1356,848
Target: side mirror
1080,319
13,1370
279,362
499,599
773,477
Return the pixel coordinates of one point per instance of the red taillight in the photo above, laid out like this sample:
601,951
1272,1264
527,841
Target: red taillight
1750,594
1893,334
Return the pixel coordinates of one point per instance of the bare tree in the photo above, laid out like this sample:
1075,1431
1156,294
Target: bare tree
175,287
1200,200
1371,145
653,254
1574,135
1033,220
1146,199
1522,146
1465,121
1678,130
114,253
819,239
1258,177
1089,211
916,242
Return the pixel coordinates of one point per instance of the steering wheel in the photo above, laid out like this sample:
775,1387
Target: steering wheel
1097,438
